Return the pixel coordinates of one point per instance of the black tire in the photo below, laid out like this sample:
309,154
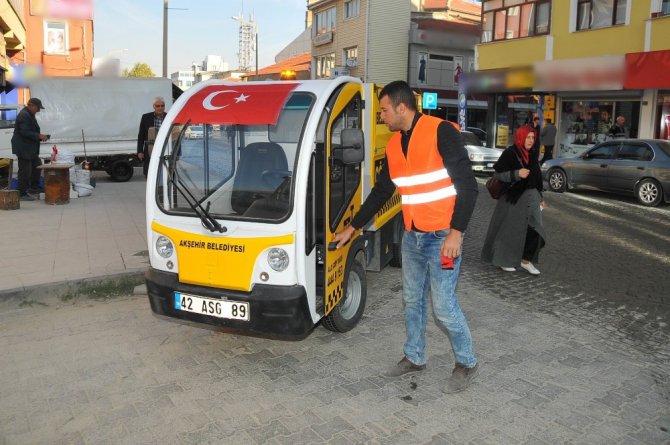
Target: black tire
349,310
649,192
396,259
121,170
558,181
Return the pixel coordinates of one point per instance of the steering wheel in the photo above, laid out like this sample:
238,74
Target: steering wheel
283,191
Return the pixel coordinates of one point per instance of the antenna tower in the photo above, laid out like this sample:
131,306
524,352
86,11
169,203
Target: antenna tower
248,30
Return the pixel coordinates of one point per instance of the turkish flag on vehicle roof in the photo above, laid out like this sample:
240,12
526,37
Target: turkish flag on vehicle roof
255,104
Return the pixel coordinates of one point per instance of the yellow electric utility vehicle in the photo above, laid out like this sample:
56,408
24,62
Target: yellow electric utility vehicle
240,219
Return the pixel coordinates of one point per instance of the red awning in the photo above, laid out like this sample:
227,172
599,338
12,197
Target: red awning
647,70
255,104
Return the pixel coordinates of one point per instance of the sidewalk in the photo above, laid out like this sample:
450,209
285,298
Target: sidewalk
94,237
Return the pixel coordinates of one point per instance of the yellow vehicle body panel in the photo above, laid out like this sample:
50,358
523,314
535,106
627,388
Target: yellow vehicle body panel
218,262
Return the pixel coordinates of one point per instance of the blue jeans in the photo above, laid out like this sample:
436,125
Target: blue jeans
422,272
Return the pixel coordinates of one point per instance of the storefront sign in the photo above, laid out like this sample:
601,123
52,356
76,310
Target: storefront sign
584,74
502,136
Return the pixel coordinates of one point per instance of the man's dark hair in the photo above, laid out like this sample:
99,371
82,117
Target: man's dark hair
398,93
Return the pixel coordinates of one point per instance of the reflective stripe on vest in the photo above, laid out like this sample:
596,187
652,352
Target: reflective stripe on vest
427,193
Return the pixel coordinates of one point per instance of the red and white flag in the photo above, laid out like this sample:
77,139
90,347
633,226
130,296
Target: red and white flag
236,104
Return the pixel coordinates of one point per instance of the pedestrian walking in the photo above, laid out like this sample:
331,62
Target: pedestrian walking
149,120
26,146
548,138
428,164
516,233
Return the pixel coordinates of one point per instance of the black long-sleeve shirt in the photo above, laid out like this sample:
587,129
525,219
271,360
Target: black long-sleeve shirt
456,161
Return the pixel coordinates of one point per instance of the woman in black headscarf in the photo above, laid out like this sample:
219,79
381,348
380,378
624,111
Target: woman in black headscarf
516,233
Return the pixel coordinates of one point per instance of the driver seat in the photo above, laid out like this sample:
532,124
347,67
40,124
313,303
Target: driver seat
249,185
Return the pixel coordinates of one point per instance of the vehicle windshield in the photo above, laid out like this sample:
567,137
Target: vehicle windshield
233,171
470,138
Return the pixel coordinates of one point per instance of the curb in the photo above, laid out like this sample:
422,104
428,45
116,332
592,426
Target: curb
101,286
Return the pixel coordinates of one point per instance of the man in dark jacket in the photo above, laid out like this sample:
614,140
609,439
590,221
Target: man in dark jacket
26,146
149,120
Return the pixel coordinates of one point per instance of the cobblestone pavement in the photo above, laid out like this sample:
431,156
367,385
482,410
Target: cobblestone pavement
562,360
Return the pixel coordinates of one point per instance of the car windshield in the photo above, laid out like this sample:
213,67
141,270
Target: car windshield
470,138
233,171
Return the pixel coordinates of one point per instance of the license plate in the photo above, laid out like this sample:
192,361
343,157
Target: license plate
235,310
477,167
490,164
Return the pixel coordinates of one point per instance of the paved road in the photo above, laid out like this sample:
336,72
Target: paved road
561,364
606,264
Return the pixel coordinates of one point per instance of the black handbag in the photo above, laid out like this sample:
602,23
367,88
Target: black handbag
496,187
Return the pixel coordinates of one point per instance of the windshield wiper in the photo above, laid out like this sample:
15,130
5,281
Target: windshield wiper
208,221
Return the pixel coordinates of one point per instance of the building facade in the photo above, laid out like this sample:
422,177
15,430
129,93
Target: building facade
184,79
360,38
580,63
442,38
12,45
60,37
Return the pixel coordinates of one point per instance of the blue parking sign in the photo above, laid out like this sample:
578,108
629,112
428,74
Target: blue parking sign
429,101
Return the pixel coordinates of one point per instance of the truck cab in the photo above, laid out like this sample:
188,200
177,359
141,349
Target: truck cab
240,220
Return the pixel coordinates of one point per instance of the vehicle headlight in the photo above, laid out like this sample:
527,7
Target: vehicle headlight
477,158
278,259
164,247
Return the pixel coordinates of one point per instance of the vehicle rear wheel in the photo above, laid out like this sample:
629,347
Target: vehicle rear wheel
121,170
350,309
649,192
558,181
396,259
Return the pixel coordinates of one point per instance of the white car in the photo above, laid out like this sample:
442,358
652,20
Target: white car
481,157
194,132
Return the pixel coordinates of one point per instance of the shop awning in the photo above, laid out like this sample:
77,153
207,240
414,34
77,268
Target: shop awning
647,70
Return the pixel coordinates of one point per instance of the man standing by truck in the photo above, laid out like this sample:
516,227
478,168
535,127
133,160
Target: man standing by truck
427,162
149,120
26,146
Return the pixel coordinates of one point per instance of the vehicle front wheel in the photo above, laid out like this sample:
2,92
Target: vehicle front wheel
350,309
558,181
649,192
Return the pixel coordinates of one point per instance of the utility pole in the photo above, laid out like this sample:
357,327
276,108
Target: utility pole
165,34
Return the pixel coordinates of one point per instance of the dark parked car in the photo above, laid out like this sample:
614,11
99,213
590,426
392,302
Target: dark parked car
637,166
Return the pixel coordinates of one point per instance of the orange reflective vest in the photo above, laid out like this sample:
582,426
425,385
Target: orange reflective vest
428,195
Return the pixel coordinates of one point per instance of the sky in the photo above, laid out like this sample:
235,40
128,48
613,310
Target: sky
132,30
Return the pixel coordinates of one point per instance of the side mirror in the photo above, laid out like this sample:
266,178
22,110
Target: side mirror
351,151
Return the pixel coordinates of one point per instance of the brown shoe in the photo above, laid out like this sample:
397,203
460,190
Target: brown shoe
461,377
404,366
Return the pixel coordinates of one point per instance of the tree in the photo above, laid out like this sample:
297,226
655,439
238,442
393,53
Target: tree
140,69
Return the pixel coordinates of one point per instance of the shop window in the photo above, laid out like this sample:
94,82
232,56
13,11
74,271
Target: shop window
512,19
593,14
665,7
55,37
584,123
662,127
